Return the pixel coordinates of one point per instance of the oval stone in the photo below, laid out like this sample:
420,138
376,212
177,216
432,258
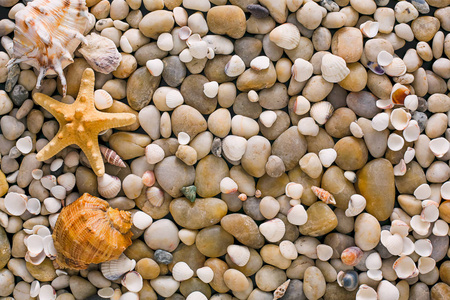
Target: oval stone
202,213
244,229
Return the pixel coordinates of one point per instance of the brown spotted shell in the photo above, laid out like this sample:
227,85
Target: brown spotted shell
89,231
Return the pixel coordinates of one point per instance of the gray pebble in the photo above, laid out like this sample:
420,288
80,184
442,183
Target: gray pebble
216,147
29,163
258,11
419,291
251,208
5,145
9,164
174,71
11,79
163,257
440,246
423,106
11,127
421,5
81,288
329,5
19,94
49,129
421,119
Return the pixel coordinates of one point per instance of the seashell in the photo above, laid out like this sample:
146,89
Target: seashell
301,105
242,197
387,290
228,186
445,190
422,192
439,146
440,228
411,102
294,190
184,33
154,154
90,220
210,89
34,206
205,274
395,142
105,293
15,203
419,226
47,292
111,157
327,157
183,138
348,280
190,192
234,147
334,68
365,292
323,195
351,256
373,261
253,96
375,67
52,205
410,152
288,250
102,99
321,111
380,122
181,271
268,118
324,252
108,186
396,68
129,296
165,41
185,56
301,70
25,145
34,289
48,181
210,54
260,63
235,66
356,130
46,35
155,196
114,269
125,44
385,104
430,211
281,290
399,93
400,168
384,58
155,66
49,247
141,220
392,242
101,53
187,236
297,215
399,227
286,36
411,133
307,126
376,275
198,49
369,29
148,178
426,265
174,98
35,243
356,205
133,281
408,246
405,267
350,176
400,118
423,247
273,230
196,295
37,174
35,258
240,255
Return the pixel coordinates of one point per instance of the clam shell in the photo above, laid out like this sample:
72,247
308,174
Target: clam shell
187,236
400,168
103,99
235,66
384,58
410,153
35,243
422,192
351,256
198,49
184,33
183,138
334,68
430,211
181,271
286,36
106,293
133,281
356,205
47,292
129,296
109,186
196,295
205,274
365,292
15,203
440,228
301,105
387,290
155,196
395,142
380,122
439,146
324,252
369,28
396,68
49,247
327,157
174,98
34,206
260,63
419,226
350,176
392,242
240,255
399,93
405,268
411,134
411,102
375,274
114,269
141,220
356,130
373,261
348,280
34,289
155,66
35,258
308,127
399,227
25,145
445,190
301,70
273,230
426,265
288,250
148,178
385,104
408,246
268,118
400,118
234,147
423,247
321,111
211,89
297,215
294,190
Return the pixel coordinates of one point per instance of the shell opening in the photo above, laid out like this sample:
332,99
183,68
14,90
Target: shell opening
119,219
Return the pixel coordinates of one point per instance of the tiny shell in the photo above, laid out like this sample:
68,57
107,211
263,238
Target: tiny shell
281,290
405,268
334,68
294,190
373,261
103,99
323,195
35,287
369,29
301,70
286,36
34,206
408,246
174,99
240,255
321,111
155,66
400,118
235,66
419,226
52,205
184,33
301,105
260,63
439,146
112,157
324,252
399,227
440,228
348,280
411,134
307,126
426,265
392,242
183,138
268,118
297,215
133,281
210,89
356,130
351,256
375,274
396,68
395,142
384,58
356,205
327,157
253,96
288,250
228,186
410,153
205,274
411,102
148,178
273,230
114,269
35,243
380,122
350,176
109,186
155,196
430,211
47,292
15,203
25,145
181,271
422,192
423,247
365,292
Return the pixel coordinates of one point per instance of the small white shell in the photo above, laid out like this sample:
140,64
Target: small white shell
165,41
392,242
125,44
58,191
321,111
356,205
380,122
268,118
412,132
228,186
327,157
260,63
115,268
307,126
199,49
400,118
423,191
187,236
34,206
174,98
400,168
396,68
411,102
334,68
408,246
288,250
154,153
210,89
184,33
195,38
297,215
183,138
47,292
351,176
410,153
35,258
106,292
133,281
294,190
301,105
356,130
286,36
387,290
35,288
196,295
373,261
365,292
405,268
399,227
375,274
181,271
155,66
185,56
324,252
49,247
426,265
205,274
384,58
37,174
369,29
25,145
108,186
240,255
52,205
430,211
445,190
235,66
129,296
439,146
423,247
395,142
419,226
440,228
302,70
35,243
234,147
273,230
141,220
15,203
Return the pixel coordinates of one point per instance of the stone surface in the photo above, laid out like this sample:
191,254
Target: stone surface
321,220
244,229
172,174
200,214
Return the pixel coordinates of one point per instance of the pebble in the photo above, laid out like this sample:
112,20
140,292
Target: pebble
174,71
352,153
314,284
163,257
81,288
43,272
321,220
6,105
257,80
187,119
268,278
213,241
129,145
424,28
11,127
244,229
7,282
207,212
140,88
227,19
5,250
363,104
334,181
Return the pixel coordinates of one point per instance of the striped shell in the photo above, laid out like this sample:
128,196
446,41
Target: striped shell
89,231
47,33
112,157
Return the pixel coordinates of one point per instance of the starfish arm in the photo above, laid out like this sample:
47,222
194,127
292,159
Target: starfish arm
55,145
92,151
108,120
53,106
86,91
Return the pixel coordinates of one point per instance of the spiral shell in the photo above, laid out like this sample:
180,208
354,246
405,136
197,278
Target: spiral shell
323,195
112,157
89,231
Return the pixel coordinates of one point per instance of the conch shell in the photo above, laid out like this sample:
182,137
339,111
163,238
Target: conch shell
46,35
89,231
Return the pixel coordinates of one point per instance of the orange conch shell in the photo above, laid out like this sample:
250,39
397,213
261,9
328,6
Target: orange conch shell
89,231
47,33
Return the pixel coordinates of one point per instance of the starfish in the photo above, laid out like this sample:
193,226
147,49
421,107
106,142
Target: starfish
80,123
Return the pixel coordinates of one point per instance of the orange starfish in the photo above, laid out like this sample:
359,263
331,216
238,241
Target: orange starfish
80,123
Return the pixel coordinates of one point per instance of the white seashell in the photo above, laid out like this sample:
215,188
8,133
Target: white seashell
297,215
286,36
35,258
307,126
399,227
273,230
240,255
356,205
301,105
114,269
373,261
174,98
35,243
301,70
260,63
37,174
408,246
375,274
334,68
395,142
129,296
58,191
34,206
155,67
67,180
228,186
392,242
294,190
15,203
385,104
141,220
430,211
235,66
165,41
419,226
47,292
49,247
181,271
35,288
384,58
184,33
155,196
210,89
108,186
327,157
365,292
106,292
205,274
400,168
409,153
411,102
405,268
423,247
426,265
351,176
324,252
103,99
133,281
180,15
439,146
41,230
187,236
234,147
52,205
196,295
210,54
48,181
288,250
411,132
369,28
396,68
400,118
423,191
25,145
219,44
268,118
125,44
253,96
380,122
387,291
321,111
445,190
185,56
440,228
356,130
198,49
183,138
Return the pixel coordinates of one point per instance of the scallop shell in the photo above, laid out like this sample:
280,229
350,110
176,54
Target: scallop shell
281,290
348,280
155,66
321,111
108,186
148,178
181,271
114,269
430,211
286,36
301,70
380,122
273,230
174,98
405,268
240,255
155,196
392,242
323,195
89,231
396,68
351,256
327,157
334,68
46,35
101,53
294,190
423,191
112,157
297,215
399,227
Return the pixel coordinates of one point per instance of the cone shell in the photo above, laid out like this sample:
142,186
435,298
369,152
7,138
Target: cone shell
323,195
321,112
47,33
334,68
112,157
89,231
286,36
281,290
